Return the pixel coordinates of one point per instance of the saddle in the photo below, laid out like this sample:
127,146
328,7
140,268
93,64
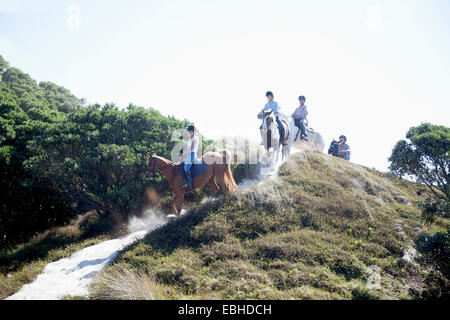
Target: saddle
198,168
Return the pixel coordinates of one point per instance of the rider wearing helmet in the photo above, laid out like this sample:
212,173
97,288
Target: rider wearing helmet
299,116
189,156
272,105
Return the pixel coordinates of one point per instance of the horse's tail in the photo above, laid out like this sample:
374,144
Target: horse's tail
229,180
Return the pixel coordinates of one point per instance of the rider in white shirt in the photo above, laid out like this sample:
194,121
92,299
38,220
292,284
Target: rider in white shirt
189,157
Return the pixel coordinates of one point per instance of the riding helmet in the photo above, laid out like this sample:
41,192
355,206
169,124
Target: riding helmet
191,128
269,93
344,137
302,98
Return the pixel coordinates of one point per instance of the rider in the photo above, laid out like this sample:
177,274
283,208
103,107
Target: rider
189,157
272,105
299,116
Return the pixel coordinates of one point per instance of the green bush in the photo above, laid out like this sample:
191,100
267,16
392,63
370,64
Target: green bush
60,158
436,250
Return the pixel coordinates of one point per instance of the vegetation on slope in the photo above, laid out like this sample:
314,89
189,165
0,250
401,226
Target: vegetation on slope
315,232
60,159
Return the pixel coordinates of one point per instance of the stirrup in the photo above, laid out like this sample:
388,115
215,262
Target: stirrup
187,187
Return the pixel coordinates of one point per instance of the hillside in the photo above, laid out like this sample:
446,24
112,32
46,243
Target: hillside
71,174
319,230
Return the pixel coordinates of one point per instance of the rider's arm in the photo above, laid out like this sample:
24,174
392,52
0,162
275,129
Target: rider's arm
277,112
190,151
194,144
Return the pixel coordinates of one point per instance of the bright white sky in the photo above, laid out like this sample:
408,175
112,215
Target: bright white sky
369,69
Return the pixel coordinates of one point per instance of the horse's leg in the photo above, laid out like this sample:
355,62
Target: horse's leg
288,151
213,186
285,151
220,178
270,156
224,187
174,208
277,154
179,203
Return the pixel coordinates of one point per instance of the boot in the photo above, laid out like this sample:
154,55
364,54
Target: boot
303,135
188,185
282,138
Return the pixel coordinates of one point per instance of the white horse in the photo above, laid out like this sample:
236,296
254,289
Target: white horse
271,136
314,137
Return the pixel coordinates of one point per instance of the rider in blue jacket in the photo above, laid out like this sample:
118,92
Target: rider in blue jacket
272,105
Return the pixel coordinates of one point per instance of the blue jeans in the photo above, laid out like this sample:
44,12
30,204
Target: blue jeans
188,162
300,123
280,126
302,126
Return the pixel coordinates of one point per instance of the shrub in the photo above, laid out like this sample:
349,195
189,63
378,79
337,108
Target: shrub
436,250
214,229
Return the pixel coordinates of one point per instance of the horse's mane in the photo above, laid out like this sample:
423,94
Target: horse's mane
164,160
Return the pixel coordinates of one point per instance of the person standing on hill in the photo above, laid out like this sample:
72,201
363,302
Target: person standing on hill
343,148
299,116
189,157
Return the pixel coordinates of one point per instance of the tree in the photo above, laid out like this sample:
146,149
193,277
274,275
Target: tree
3,64
426,157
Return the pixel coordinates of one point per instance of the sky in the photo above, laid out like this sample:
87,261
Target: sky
369,69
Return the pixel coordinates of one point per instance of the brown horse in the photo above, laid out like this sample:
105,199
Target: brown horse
218,172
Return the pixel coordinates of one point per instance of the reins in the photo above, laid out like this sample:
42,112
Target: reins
155,168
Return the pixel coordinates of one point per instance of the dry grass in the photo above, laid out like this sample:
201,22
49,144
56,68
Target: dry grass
124,283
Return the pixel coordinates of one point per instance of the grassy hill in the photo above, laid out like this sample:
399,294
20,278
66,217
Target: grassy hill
316,232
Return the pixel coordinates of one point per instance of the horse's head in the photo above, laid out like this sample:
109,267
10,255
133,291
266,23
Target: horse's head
268,119
152,166
156,164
